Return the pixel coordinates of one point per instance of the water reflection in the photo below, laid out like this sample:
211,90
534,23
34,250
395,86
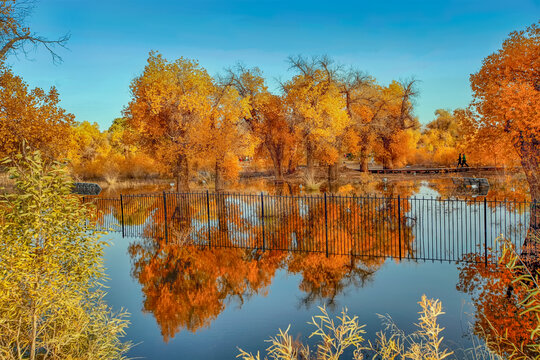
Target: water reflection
195,254
187,287
498,307
414,227
375,227
506,186
324,278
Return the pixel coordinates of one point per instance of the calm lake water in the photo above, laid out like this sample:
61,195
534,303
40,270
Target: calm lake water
191,302
246,321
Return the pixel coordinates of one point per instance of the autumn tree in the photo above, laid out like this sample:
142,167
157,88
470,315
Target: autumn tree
364,108
441,139
88,142
506,99
318,110
169,102
16,36
395,127
267,120
91,153
51,271
33,116
222,134
505,297
121,137
382,118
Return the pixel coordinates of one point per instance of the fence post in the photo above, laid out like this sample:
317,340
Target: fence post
399,223
208,218
122,212
165,216
485,232
262,219
326,223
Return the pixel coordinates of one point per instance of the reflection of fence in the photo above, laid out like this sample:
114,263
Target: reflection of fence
413,228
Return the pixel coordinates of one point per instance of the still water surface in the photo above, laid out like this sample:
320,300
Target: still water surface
394,288
198,303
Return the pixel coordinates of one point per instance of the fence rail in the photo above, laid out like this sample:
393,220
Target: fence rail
400,227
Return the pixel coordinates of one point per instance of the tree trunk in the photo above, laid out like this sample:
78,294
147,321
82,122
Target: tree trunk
529,152
530,161
276,152
333,171
291,167
277,160
218,184
387,163
333,176
364,164
182,174
222,214
34,335
310,166
181,212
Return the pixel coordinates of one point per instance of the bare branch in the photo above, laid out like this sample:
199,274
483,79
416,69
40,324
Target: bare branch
16,37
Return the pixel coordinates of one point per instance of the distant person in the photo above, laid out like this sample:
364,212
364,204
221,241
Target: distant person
464,161
459,162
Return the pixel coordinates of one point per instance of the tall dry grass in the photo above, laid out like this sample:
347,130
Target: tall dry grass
345,332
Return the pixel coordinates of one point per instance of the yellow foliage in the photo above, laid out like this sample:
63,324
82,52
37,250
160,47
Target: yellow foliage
33,116
51,271
346,332
319,111
346,189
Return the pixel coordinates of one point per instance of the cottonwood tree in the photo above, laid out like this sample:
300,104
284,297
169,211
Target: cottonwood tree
506,100
506,104
396,139
267,120
364,108
221,133
16,36
441,140
318,110
33,116
168,105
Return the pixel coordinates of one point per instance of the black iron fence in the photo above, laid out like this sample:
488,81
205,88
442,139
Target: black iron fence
410,227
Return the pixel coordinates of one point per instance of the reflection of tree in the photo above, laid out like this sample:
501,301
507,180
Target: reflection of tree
344,225
187,283
367,227
510,199
136,212
358,226
187,286
324,278
496,302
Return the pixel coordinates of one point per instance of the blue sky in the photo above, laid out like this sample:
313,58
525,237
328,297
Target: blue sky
439,42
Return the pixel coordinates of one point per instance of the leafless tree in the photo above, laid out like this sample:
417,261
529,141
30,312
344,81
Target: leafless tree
16,37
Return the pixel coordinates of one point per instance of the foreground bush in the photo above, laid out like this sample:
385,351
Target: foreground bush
336,338
523,297
51,272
